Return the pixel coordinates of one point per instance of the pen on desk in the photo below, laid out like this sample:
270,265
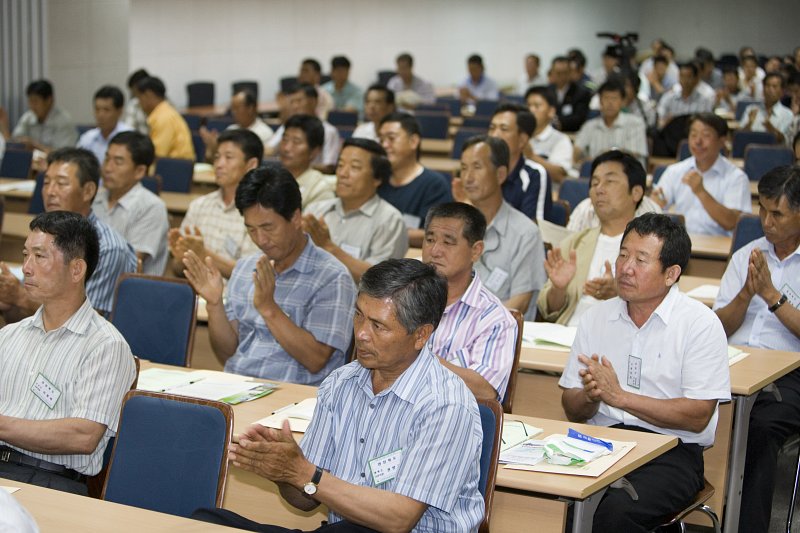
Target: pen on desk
523,427
284,408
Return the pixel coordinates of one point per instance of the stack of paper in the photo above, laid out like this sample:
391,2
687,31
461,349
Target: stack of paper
232,393
575,449
160,380
549,336
298,414
516,432
735,355
704,292
21,185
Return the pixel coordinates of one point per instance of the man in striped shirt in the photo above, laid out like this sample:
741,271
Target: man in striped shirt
63,371
476,336
395,441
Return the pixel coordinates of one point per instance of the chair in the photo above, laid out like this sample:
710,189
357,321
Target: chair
200,93
220,123
432,108
245,85
345,132
287,83
453,104
586,169
760,159
676,217
479,122
513,99
16,164
170,453
461,137
741,106
337,117
434,126
683,150
193,121
657,172
560,213
83,128
698,504
742,139
11,145
748,228
152,184
485,108
492,427
199,148
384,76
156,315
574,190
511,386
176,174
37,200
593,113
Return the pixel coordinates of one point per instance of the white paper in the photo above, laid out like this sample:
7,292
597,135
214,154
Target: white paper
299,416
10,490
516,432
160,380
547,335
704,292
530,452
208,390
735,355
592,469
21,185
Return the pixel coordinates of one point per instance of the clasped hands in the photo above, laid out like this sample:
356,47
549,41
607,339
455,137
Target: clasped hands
600,383
271,453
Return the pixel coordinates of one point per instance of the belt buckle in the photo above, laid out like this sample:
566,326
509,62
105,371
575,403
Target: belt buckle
5,455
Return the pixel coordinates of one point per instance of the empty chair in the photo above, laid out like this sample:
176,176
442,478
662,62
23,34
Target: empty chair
176,174
199,147
11,145
492,428
758,159
345,132
748,228
245,85
461,137
485,108
574,191
156,315
453,104
220,123
481,122
170,453
16,164
560,213
83,128
384,76
287,83
677,217
193,121
338,117
683,150
434,126
37,202
742,139
200,93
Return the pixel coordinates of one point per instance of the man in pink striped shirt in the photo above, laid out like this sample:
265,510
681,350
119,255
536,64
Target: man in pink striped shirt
477,335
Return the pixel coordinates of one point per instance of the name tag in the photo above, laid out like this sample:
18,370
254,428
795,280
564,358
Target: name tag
412,222
355,251
230,246
566,109
384,468
791,295
634,372
496,279
43,389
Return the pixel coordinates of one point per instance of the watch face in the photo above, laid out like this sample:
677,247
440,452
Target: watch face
310,489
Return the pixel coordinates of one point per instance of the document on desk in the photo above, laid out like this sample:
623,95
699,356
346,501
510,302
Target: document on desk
704,292
10,490
161,380
735,355
548,336
516,432
21,185
232,393
298,414
593,468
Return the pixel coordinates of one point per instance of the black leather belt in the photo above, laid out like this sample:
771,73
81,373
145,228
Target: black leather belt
12,456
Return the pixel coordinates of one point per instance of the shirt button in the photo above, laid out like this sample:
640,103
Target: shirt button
372,406
363,475
361,440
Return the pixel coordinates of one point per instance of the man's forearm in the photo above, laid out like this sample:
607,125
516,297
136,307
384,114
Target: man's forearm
476,383
577,405
60,436
223,336
722,215
298,342
671,413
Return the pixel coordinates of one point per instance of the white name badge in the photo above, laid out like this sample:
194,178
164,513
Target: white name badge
496,279
231,248
43,389
412,222
566,109
384,468
791,295
355,251
634,372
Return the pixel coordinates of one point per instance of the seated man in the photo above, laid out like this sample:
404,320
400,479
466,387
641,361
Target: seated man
527,186
213,227
70,184
579,271
44,126
572,99
359,227
513,252
346,96
378,103
758,305
707,189
301,143
409,89
396,401
531,77
729,95
134,116
772,116
685,98
124,204
63,371
288,313
549,147
477,85
612,129
651,360
108,101
168,130
412,188
311,74
751,76
244,110
477,336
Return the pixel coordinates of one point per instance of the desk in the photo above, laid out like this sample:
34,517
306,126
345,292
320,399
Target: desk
440,163
60,511
709,255
437,146
210,111
688,283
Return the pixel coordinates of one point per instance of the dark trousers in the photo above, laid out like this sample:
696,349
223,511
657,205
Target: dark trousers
223,517
43,478
771,423
665,485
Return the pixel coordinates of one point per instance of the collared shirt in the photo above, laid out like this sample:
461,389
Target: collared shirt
554,146
330,147
116,257
524,83
414,199
484,89
528,188
681,352
366,130
726,183
317,293
477,332
780,117
170,134
427,416
627,133
373,232
57,130
513,255
259,127
94,141
222,226
316,186
584,216
350,96
135,117
423,90
86,359
141,218
673,104
761,328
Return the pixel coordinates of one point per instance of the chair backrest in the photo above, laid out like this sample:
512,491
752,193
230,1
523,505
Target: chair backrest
170,453
657,172
574,191
452,103
560,213
743,139
593,113
760,159
345,132
152,184
435,108
245,85
16,164
287,83
220,123
337,117
677,217
461,137
156,315
492,426
748,228
683,150
200,93
485,108
384,76
193,121
176,174
199,147
434,125
511,386
478,121
586,169
741,105
37,200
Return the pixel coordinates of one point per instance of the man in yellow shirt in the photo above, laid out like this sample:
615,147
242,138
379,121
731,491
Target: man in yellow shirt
168,131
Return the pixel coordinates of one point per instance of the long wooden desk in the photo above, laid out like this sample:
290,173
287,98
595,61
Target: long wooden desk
210,111
440,163
56,511
687,283
709,255
441,147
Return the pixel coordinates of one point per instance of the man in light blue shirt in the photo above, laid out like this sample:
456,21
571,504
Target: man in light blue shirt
477,86
346,95
108,108
287,314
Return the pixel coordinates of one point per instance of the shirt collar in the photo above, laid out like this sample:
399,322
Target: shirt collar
368,208
304,262
405,387
768,247
663,311
78,323
546,133
471,296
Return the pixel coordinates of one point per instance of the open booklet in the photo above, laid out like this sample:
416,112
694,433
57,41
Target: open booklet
298,414
548,336
208,385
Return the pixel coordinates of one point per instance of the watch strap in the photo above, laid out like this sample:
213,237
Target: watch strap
317,475
774,307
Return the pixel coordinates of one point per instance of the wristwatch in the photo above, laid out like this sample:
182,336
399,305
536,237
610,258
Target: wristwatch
774,307
310,488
